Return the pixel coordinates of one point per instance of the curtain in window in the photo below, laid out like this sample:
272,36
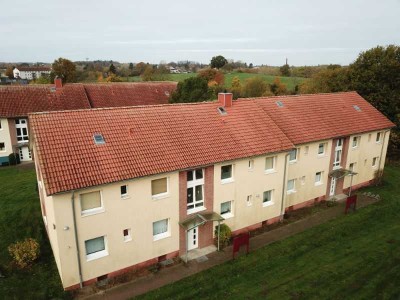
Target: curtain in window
160,227
90,200
159,186
95,245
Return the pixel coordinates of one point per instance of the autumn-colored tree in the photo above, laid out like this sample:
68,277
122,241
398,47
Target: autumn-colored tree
212,75
236,87
113,78
141,67
285,70
65,69
278,88
9,72
327,81
255,87
112,69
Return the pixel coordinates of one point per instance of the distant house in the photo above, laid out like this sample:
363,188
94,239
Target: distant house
125,188
31,73
16,102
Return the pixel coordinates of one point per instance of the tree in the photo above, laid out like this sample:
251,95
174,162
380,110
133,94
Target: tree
278,88
375,75
65,69
212,75
131,67
218,62
255,87
113,78
112,69
285,70
236,87
329,80
193,89
42,80
141,67
10,73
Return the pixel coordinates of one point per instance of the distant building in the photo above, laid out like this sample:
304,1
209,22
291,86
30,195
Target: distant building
31,73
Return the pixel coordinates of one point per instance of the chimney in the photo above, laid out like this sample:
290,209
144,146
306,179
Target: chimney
225,99
58,83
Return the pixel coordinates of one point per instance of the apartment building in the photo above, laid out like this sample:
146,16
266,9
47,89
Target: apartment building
124,188
31,73
16,102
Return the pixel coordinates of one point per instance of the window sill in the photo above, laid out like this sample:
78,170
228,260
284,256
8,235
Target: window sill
354,148
92,212
268,203
322,155
291,192
270,171
228,180
195,210
160,196
125,197
161,236
291,162
127,240
227,216
318,183
96,255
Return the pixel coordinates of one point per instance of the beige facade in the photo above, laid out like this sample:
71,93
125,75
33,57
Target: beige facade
5,138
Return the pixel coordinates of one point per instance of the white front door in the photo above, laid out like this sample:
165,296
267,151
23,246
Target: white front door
333,187
25,154
193,238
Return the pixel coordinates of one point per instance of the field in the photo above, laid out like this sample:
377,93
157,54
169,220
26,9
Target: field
290,82
352,257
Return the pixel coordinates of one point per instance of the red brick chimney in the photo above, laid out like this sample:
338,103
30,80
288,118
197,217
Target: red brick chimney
58,83
225,99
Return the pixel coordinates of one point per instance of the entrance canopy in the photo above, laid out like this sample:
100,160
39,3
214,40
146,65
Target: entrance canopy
200,219
340,173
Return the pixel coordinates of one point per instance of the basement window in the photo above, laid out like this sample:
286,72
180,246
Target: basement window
222,111
98,139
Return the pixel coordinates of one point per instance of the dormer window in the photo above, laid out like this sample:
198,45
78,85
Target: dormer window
222,111
98,139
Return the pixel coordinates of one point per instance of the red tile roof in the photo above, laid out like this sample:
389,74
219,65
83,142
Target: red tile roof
305,118
147,140
34,69
129,94
18,101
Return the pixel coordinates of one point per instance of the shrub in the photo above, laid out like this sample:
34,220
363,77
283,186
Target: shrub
224,236
25,252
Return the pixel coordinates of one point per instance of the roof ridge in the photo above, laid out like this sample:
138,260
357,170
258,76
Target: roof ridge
297,95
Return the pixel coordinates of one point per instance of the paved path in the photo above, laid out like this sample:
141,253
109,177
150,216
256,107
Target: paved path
180,271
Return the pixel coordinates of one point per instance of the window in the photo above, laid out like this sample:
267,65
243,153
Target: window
321,149
98,139
356,141
306,150
1,126
352,167
378,137
251,164
318,178
291,186
159,187
124,191
2,147
226,209
161,229
267,198
374,161
293,155
270,164
226,173
127,235
249,200
22,130
91,203
195,190
95,248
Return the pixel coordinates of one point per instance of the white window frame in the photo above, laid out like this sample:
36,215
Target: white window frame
95,210
249,200
338,150
126,195
352,168
161,195
323,149
320,181
229,214
162,235
271,201
296,151
98,254
22,124
192,184
293,190
378,138
375,162
355,139
127,238
273,170
230,179
251,165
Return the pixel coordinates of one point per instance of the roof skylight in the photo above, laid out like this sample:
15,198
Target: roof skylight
222,111
279,103
357,108
98,139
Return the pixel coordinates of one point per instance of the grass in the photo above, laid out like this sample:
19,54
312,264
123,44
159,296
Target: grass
20,217
290,82
352,257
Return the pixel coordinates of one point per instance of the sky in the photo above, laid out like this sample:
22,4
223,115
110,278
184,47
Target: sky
306,32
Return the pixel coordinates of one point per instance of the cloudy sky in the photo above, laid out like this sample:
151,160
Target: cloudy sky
307,32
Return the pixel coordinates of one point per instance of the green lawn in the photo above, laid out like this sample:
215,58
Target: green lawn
20,217
290,82
352,257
